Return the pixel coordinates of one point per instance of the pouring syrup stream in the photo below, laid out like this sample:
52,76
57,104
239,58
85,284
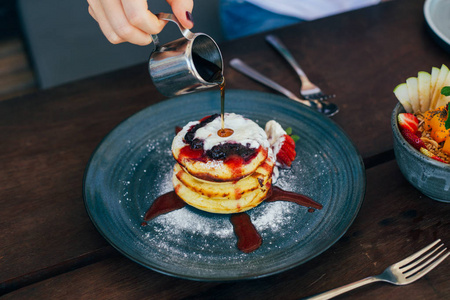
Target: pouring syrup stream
211,72
223,132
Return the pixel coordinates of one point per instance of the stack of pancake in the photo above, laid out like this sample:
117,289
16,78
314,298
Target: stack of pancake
222,174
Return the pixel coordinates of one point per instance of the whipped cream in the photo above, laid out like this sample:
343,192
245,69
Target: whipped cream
276,136
245,132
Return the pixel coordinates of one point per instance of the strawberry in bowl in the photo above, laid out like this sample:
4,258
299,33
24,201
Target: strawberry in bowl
421,131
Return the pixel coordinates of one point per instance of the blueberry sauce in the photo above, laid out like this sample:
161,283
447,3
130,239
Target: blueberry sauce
221,151
189,137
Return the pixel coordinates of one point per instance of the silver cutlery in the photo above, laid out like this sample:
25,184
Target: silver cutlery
324,107
404,272
308,89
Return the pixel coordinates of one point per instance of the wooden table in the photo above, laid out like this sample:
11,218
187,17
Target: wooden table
50,249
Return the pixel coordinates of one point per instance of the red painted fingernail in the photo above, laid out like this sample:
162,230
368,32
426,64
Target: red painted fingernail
189,16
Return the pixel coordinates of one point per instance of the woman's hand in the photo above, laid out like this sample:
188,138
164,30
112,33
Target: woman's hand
131,21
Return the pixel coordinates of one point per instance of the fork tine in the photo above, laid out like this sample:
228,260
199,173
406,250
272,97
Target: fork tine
417,261
430,266
310,92
419,265
417,254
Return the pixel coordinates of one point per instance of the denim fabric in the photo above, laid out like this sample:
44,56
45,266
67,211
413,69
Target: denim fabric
239,18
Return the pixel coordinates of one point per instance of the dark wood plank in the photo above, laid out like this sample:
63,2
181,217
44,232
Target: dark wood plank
395,221
117,277
47,138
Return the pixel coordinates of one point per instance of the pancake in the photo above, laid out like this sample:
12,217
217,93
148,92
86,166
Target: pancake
203,154
224,197
227,189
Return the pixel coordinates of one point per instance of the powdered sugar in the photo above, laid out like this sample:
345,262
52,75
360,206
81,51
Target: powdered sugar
191,233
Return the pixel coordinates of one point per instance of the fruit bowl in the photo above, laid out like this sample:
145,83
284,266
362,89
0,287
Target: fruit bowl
429,176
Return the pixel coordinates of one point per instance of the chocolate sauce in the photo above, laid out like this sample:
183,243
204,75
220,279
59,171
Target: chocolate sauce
162,205
277,194
248,238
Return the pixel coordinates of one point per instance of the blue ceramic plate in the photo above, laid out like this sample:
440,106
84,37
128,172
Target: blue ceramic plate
437,16
133,165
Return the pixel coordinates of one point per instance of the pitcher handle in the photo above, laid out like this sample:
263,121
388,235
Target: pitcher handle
171,17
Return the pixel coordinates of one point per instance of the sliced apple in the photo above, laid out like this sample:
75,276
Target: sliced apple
424,84
443,100
443,72
413,93
434,78
401,92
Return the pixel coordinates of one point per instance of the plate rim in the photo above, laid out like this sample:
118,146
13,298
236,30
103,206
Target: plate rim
427,10
360,165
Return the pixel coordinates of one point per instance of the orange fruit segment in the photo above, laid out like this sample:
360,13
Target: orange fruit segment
427,116
437,124
446,147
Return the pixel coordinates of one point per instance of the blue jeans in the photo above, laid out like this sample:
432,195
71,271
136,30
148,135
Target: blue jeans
239,18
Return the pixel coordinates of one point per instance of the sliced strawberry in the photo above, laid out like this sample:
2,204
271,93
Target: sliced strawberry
282,144
286,155
412,138
286,145
290,152
427,152
283,160
408,121
289,140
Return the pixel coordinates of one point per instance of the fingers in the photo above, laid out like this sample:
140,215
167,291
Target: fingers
131,21
139,16
182,9
117,18
97,12
125,21
92,13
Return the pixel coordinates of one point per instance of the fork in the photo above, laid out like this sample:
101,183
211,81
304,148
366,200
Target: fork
404,272
325,107
308,89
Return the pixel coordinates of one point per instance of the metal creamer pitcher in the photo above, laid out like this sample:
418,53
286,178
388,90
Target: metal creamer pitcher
188,64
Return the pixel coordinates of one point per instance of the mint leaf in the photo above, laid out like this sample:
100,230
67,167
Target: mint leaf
295,137
288,131
445,91
447,123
